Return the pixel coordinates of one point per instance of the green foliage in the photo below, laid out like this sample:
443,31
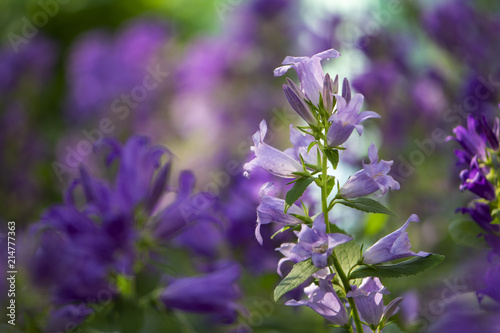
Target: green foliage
333,156
348,255
367,205
296,191
299,273
412,266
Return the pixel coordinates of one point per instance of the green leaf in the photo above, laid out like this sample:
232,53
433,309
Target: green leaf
465,232
299,273
333,156
348,255
312,144
296,191
367,205
412,266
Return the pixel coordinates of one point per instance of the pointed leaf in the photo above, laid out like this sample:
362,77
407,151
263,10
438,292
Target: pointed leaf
367,205
333,156
296,191
348,255
412,266
299,273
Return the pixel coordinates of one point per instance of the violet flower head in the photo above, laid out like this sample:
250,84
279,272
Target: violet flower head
323,299
346,119
271,209
475,181
213,293
301,142
373,177
274,161
315,243
481,214
309,71
472,142
393,246
369,299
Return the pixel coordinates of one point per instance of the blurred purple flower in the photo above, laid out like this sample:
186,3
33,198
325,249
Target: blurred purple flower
372,178
215,293
472,142
394,246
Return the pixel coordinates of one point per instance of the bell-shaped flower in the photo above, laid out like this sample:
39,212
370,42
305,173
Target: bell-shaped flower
309,71
323,299
280,163
269,158
346,119
271,209
393,246
369,299
315,243
373,177
213,293
475,181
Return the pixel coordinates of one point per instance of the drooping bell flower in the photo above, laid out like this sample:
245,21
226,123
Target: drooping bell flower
394,246
274,161
372,178
369,299
271,209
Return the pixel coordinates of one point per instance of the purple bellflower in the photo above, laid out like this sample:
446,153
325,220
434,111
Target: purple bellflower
323,299
315,243
393,246
214,293
472,142
346,119
276,162
309,71
369,299
475,181
271,209
372,178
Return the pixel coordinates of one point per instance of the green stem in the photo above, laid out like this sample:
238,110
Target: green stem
336,264
347,288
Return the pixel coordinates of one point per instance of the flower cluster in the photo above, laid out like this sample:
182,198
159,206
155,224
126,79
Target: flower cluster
107,235
346,289
480,154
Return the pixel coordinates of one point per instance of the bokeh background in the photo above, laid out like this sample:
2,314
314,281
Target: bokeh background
196,76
